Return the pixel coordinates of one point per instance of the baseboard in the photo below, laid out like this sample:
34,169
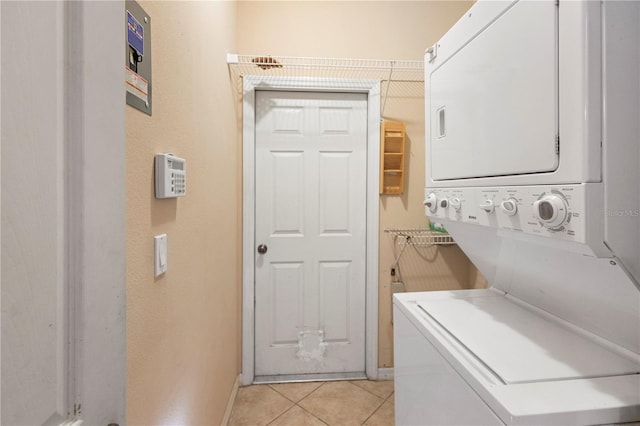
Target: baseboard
232,399
385,373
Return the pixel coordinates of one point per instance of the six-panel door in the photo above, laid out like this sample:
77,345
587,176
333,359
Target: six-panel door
311,218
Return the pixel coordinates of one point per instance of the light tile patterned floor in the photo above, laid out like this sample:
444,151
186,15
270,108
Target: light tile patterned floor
343,403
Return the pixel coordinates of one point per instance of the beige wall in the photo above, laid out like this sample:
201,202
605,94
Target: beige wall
374,30
183,328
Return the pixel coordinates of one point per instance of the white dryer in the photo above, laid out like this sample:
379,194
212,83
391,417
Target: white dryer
533,165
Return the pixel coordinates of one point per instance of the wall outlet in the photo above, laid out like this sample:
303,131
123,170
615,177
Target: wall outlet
397,287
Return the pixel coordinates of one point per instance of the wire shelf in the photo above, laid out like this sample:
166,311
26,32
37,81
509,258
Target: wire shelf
398,78
420,237
400,70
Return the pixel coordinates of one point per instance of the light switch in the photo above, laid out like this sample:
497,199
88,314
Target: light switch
160,254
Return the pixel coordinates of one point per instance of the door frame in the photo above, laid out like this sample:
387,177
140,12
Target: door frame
252,83
92,158
97,195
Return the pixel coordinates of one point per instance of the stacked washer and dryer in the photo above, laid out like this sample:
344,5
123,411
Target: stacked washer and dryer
533,166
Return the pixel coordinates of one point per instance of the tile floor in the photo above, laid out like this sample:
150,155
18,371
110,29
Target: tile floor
343,403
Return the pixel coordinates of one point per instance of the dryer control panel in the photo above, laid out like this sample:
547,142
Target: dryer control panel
556,211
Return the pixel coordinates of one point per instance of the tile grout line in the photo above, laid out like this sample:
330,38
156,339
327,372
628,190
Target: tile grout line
311,414
285,397
383,401
295,404
279,393
282,414
304,397
374,411
307,411
385,398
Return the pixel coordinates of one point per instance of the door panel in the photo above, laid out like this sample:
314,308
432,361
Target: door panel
311,215
334,280
335,204
288,193
286,301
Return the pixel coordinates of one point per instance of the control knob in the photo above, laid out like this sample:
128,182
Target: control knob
551,210
444,203
455,204
488,206
431,202
509,207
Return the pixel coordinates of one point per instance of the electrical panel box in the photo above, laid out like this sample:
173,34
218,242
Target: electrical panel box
170,176
137,68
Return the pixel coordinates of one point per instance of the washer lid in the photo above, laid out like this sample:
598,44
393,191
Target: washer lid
521,346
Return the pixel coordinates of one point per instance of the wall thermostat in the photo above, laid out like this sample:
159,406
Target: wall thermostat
171,176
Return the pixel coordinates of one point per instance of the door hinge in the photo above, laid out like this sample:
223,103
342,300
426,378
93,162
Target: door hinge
557,3
557,144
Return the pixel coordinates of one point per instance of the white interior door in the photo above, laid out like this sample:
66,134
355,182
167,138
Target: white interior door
311,168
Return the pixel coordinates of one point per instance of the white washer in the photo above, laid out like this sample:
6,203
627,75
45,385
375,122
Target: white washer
482,357
533,164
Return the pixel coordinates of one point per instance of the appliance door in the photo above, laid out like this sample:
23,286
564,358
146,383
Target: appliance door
493,103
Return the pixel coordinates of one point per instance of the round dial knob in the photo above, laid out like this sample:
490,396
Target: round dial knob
510,206
444,203
551,210
488,206
431,202
455,204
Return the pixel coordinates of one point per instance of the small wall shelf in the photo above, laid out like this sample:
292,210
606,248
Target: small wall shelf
392,146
